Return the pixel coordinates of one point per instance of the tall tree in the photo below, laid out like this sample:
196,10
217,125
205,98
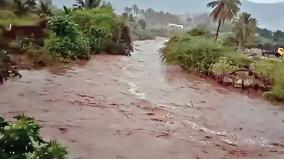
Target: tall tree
223,10
20,7
135,9
31,3
128,11
278,35
87,4
44,9
245,27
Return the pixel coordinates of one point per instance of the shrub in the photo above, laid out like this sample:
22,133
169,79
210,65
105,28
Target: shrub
273,70
223,66
199,32
103,18
142,23
96,36
98,25
66,40
238,59
193,52
112,47
67,48
21,140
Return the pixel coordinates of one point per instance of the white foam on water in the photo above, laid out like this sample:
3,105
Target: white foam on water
135,90
229,137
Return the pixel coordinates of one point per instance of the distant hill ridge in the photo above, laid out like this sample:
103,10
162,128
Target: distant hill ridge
268,15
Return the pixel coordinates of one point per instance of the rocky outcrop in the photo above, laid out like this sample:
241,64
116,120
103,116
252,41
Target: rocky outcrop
245,80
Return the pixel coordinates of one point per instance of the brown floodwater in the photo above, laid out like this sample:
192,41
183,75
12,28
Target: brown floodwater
117,107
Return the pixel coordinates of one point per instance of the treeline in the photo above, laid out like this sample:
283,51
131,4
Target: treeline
267,39
153,18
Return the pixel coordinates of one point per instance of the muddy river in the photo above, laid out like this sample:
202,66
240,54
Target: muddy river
117,107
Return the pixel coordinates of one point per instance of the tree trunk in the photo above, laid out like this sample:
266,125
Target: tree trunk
240,46
218,29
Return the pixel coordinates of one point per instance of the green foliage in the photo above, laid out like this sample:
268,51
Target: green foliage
223,10
199,32
238,59
21,140
8,17
103,18
99,24
67,41
22,7
245,27
44,9
49,150
63,26
95,37
142,23
223,66
193,52
67,48
277,74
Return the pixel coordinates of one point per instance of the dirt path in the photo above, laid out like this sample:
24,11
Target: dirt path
137,108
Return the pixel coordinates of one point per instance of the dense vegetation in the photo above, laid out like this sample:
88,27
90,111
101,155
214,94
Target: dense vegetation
90,27
219,59
21,140
202,54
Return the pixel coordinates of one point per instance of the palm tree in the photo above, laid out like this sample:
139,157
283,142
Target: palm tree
223,10
128,11
135,9
31,3
87,4
67,10
245,27
20,7
44,9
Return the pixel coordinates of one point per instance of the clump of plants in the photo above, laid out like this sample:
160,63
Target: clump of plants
21,140
223,66
66,39
100,26
193,53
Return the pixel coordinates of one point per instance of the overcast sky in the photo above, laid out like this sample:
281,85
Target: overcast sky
267,1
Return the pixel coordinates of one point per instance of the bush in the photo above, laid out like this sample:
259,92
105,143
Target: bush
199,32
223,66
238,59
98,25
66,40
21,140
275,71
67,48
112,47
196,53
103,18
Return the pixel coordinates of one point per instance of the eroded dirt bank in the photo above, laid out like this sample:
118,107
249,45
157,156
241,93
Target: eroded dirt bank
117,107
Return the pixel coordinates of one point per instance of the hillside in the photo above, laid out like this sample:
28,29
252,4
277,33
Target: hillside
267,14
